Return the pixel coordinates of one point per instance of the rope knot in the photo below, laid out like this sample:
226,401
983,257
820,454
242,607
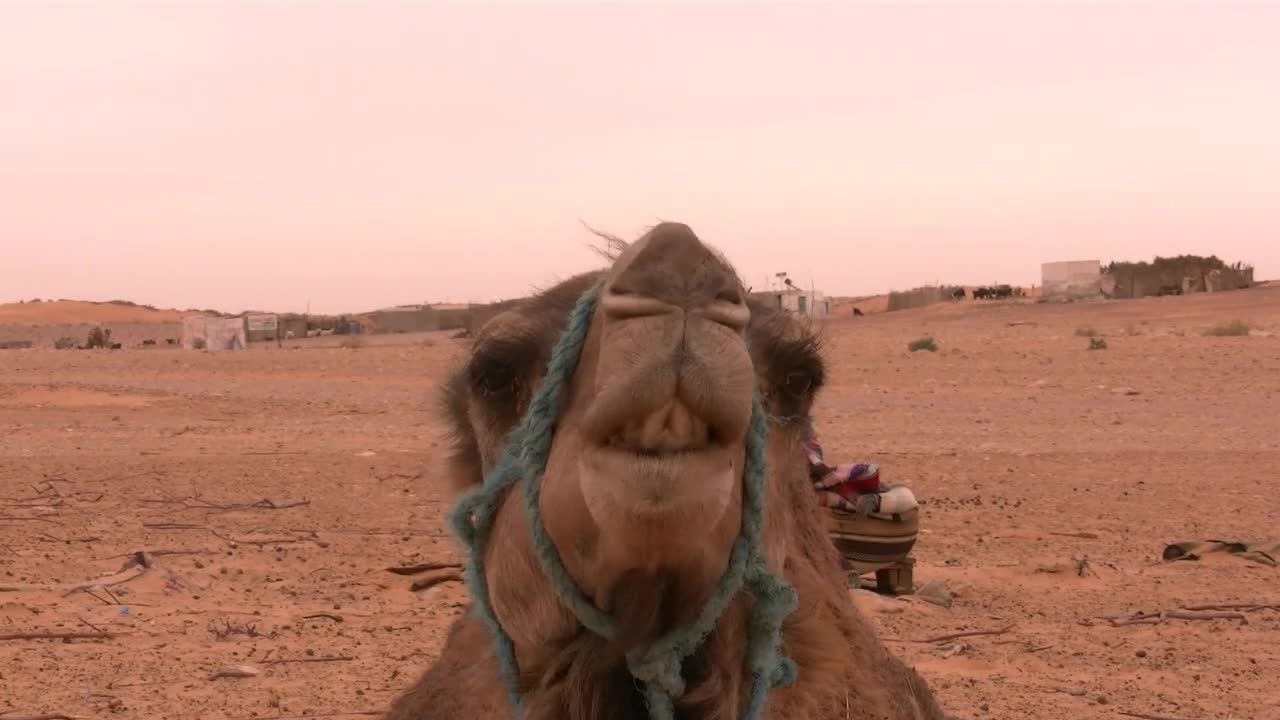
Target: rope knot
661,671
784,672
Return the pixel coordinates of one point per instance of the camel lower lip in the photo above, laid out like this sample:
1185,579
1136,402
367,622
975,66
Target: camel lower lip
620,481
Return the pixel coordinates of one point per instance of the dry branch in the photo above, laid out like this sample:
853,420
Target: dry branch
1162,616
424,567
117,579
194,502
328,616
20,587
1147,716
45,716
333,714
966,634
61,635
431,581
1242,606
235,671
332,658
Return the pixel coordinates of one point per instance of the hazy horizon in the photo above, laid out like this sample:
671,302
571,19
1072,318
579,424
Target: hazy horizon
362,155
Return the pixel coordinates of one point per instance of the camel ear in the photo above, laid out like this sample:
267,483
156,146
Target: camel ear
462,467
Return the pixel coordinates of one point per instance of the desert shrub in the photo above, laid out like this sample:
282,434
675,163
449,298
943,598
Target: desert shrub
64,343
1097,343
199,344
924,343
1086,332
1237,328
99,337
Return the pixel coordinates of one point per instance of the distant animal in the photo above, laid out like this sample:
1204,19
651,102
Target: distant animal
148,342
857,312
982,293
1169,290
289,334
1002,291
171,341
643,524
958,294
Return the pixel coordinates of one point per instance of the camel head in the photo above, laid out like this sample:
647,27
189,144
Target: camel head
643,491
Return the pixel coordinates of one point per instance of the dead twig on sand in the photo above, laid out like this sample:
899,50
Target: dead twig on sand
195,502
1148,716
311,536
954,636
1161,616
1241,606
327,616
46,537
20,587
235,671
431,581
1077,535
24,518
966,634
61,635
161,553
424,567
331,658
334,714
45,716
172,526
103,582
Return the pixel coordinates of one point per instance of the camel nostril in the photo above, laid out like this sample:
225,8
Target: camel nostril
622,303
731,295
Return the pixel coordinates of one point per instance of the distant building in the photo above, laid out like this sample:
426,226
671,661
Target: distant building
260,327
787,296
1174,276
1071,280
207,332
404,319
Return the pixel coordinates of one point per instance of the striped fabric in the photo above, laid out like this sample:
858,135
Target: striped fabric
872,542
851,496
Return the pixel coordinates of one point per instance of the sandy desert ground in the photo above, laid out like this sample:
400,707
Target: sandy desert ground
272,488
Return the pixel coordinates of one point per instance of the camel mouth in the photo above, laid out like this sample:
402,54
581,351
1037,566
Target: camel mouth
671,430
621,483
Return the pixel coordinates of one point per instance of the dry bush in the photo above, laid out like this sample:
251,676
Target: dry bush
1237,328
924,343
1097,343
64,343
98,338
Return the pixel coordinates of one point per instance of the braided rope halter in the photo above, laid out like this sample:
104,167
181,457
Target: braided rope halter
657,667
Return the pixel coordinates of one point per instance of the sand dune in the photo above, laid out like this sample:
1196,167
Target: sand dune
71,312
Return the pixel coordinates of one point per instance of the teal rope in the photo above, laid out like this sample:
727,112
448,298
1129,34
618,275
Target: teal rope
659,666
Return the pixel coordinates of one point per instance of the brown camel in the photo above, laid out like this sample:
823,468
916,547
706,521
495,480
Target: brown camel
642,497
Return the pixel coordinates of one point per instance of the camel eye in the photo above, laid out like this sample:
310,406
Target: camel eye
797,383
491,376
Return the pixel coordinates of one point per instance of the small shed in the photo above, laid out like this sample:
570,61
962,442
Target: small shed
810,303
207,332
1071,280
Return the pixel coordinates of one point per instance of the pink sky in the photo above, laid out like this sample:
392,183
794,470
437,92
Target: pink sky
359,154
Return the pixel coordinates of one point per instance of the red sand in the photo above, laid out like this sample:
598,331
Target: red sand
1025,447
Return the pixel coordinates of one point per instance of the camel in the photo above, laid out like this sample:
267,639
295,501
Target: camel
642,497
